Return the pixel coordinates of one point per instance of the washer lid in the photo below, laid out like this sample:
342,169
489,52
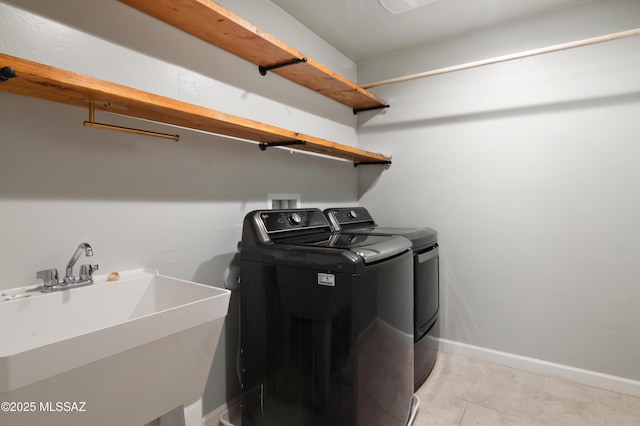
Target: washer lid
382,250
371,248
359,220
420,237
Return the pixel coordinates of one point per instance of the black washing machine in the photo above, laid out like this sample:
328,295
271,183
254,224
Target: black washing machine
325,333
357,220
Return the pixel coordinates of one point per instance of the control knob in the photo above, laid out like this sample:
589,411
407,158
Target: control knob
295,219
352,214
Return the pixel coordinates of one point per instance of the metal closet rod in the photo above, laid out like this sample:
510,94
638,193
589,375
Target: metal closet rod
510,57
92,123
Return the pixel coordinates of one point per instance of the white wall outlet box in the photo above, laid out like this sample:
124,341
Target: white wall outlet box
283,201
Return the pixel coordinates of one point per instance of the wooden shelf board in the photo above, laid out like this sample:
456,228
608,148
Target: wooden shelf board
214,24
54,84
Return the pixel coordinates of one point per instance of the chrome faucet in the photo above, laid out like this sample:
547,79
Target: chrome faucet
88,251
50,276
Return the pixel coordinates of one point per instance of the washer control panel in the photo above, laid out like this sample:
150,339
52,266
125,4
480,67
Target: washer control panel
290,220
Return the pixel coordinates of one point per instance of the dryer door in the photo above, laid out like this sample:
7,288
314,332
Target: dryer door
426,292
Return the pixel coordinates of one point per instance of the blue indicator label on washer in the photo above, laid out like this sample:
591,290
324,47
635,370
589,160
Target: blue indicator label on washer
326,279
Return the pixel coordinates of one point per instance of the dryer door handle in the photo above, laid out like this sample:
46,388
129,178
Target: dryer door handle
429,254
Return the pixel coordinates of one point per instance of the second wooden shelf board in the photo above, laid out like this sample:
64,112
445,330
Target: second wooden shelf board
54,84
216,25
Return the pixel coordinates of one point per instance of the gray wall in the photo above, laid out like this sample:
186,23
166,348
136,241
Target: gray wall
530,171
145,202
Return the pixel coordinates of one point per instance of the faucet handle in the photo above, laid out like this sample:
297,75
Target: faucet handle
49,276
87,270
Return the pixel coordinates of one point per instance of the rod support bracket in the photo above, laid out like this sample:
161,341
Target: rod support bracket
263,70
264,145
92,123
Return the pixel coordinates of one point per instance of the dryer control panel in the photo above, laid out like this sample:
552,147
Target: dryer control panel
349,217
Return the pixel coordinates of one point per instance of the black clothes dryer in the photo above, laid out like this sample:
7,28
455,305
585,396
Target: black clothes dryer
357,220
326,337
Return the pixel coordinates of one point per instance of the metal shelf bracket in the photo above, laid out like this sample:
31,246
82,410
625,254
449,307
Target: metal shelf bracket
6,73
369,163
263,145
357,110
263,70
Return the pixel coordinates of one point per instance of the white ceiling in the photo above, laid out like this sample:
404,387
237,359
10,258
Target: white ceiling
363,29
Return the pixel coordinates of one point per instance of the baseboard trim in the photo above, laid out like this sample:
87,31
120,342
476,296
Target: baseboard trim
533,365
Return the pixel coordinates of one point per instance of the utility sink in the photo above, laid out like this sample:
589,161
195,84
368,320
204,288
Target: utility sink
125,352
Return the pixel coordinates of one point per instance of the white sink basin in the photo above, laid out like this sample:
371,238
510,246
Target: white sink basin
131,350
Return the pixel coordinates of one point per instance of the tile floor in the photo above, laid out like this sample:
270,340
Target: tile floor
463,391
